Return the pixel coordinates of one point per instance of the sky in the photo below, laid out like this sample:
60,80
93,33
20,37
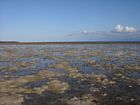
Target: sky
69,20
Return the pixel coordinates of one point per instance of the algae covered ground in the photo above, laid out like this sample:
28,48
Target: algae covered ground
70,74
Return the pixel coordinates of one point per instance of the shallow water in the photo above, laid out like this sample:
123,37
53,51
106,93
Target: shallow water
109,73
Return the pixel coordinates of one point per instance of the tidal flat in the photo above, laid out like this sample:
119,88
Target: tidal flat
70,74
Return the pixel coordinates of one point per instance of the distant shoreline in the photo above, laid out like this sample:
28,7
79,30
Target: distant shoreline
97,42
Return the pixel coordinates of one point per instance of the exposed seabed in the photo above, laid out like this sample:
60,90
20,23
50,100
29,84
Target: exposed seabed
67,74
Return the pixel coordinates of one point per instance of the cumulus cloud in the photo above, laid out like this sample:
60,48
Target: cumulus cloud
129,29
120,28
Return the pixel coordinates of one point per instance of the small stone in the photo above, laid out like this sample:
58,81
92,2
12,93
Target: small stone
104,94
93,62
119,74
118,98
94,89
132,99
112,82
75,98
130,86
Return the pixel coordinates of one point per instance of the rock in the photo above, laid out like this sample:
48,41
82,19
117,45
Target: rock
100,78
119,74
105,81
25,64
132,99
41,89
61,65
104,94
93,62
137,67
74,102
130,86
84,100
72,70
8,68
11,100
112,82
76,75
58,86
93,89
138,82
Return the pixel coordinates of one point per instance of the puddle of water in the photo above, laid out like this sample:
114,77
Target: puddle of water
37,83
134,74
5,63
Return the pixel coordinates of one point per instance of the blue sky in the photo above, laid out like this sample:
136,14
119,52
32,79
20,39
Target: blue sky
69,20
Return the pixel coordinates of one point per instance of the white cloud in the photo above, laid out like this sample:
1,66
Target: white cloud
120,28
129,29
85,32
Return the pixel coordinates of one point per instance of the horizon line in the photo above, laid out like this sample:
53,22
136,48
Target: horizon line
70,42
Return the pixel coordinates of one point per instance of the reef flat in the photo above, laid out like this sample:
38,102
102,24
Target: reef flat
67,74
